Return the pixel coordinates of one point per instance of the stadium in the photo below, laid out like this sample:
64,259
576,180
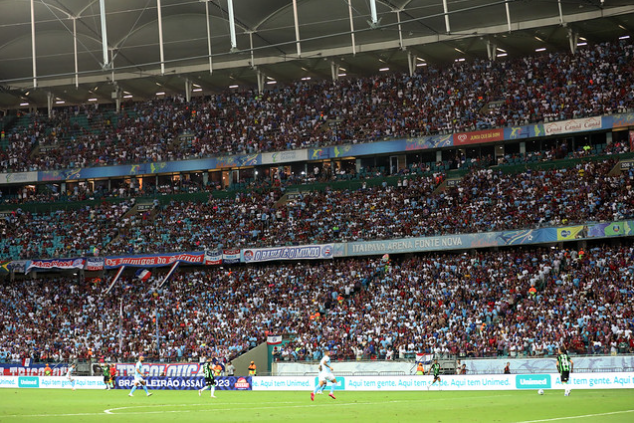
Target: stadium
314,210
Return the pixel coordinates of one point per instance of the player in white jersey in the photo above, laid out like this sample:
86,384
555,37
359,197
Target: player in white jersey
139,377
325,376
69,376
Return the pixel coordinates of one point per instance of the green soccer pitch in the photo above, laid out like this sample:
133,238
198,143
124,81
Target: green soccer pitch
43,405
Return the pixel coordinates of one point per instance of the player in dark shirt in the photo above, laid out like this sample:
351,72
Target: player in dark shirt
564,366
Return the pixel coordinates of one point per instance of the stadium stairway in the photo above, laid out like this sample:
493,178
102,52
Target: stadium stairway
138,209
259,355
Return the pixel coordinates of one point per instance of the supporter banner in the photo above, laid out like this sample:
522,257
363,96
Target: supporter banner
478,137
231,256
64,264
94,264
223,383
18,177
631,140
213,257
622,120
599,230
162,369
424,143
274,339
285,157
238,161
51,382
571,232
14,369
301,252
498,382
575,125
18,266
158,260
519,132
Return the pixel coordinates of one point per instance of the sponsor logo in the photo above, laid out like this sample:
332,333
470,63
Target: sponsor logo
241,384
341,383
28,382
565,233
532,381
248,256
462,137
326,251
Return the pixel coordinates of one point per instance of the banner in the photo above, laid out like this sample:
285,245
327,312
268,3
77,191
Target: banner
158,260
94,264
478,137
569,233
223,383
64,264
497,382
631,140
575,125
302,252
623,120
230,256
213,257
285,157
425,143
15,369
274,339
165,369
18,178
51,382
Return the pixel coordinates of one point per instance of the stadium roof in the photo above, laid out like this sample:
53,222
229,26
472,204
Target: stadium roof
149,54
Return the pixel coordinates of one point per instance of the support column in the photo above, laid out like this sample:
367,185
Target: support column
232,26
50,98
400,30
373,16
33,44
411,62
189,85
334,71
75,52
211,69
439,156
573,39
508,15
523,147
354,44
160,31
446,10
261,81
608,138
296,20
104,34
491,50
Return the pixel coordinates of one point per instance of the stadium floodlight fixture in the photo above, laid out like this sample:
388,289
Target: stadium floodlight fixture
384,69
581,44
460,59
197,90
24,104
341,75
233,86
624,37
540,49
502,55
160,93
419,65
306,78
92,99
127,96
271,82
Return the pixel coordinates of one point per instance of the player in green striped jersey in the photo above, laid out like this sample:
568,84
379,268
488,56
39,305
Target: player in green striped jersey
210,381
435,369
564,366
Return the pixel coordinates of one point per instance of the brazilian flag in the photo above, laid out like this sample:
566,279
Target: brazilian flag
4,267
615,228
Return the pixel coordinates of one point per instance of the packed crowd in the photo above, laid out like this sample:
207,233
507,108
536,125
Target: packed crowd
485,200
517,302
462,97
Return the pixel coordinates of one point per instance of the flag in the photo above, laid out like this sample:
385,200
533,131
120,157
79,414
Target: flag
614,228
274,339
143,274
4,267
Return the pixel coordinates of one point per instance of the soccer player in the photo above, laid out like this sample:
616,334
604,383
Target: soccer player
210,381
564,366
139,377
325,375
106,375
113,373
435,368
69,375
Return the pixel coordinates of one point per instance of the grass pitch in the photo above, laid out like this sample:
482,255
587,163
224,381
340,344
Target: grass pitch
43,405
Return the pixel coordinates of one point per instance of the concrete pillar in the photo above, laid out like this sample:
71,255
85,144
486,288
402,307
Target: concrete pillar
523,147
50,98
188,89
439,156
608,138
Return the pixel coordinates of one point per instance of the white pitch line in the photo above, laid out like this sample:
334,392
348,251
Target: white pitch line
578,417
